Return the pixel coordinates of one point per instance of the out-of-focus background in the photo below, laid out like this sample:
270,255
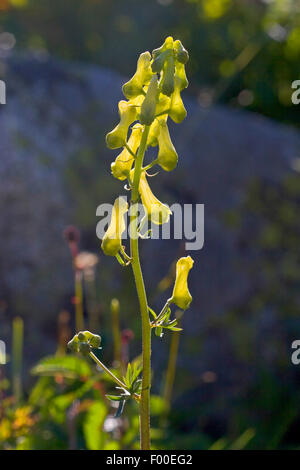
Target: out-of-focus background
63,64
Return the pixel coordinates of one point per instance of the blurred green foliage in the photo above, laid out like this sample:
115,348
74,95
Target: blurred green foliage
243,52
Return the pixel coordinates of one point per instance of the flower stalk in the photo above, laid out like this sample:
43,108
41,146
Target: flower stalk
153,95
140,287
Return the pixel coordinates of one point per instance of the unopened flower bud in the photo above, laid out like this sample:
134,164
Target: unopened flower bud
167,82
147,113
142,76
118,136
81,336
181,295
73,344
158,63
95,341
181,53
167,155
112,242
121,167
84,348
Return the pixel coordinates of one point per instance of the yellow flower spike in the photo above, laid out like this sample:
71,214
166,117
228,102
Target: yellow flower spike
158,212
181,295
148,107
112,242
121,167
142,76
118,136
177,110
167,155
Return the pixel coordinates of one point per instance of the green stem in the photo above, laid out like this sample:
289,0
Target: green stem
112,376
154,162
146,328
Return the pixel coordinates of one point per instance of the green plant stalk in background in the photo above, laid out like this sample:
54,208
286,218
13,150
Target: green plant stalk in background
17,354
171,368
91,301
79,321
115,318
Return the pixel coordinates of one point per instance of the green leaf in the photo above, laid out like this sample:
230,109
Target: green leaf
93,426
112,445
137,369
136,386
114,397
128,375
43,390
68,366
133,371
158,405
58,405
152,313
172,323
167,315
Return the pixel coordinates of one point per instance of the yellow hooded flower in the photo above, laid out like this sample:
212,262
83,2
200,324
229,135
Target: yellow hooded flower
158,212
142,76
163,104
118,136
112,243
168,44
181,295
121,167
167,155
182,81
177,110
